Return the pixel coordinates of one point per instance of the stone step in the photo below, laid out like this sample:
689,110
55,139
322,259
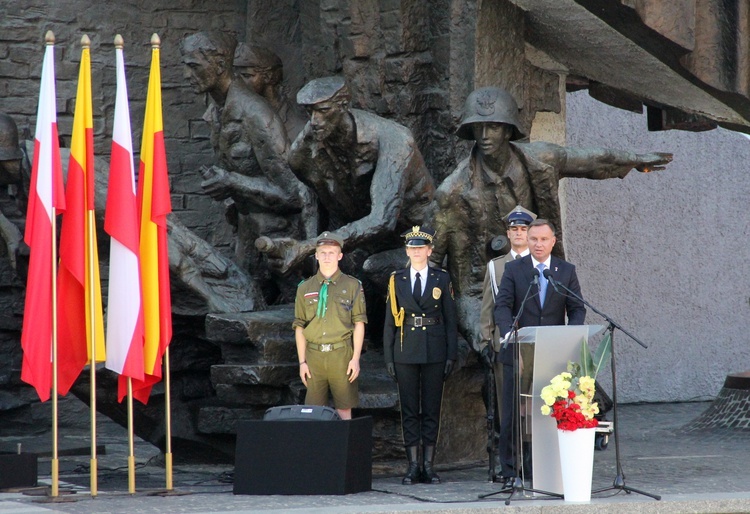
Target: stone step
245,328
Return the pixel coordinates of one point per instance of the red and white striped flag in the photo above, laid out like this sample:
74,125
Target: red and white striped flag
125,306
45,194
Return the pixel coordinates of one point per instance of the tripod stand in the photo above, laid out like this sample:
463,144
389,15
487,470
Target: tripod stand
618,483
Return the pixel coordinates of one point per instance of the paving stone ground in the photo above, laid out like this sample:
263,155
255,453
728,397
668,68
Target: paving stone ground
692,472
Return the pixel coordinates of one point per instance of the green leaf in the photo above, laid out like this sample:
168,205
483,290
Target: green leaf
587,364
602,354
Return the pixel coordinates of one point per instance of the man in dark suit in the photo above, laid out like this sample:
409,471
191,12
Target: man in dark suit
544,307
420,347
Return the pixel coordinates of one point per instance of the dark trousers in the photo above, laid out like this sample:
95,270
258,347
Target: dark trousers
420,385
507,422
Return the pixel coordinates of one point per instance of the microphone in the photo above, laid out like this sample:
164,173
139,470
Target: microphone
548,276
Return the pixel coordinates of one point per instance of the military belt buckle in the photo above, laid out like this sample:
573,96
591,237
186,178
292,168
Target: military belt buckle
418,321
326,347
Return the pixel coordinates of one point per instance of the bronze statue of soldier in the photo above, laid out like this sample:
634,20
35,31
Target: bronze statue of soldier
367,172
500,173
251,170
263,72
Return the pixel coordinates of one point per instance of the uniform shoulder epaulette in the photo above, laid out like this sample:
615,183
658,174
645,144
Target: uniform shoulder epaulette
441,270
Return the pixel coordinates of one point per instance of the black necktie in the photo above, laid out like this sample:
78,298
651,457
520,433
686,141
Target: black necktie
518,256
417,288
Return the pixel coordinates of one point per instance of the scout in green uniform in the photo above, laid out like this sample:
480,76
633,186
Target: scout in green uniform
420,347
329,328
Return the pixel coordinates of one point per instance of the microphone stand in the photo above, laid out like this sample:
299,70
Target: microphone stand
619,481
517,488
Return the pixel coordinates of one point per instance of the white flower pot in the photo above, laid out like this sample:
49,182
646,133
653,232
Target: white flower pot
576,462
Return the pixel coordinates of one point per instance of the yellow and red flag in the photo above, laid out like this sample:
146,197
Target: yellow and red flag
45,196
154,204
124,313
79,295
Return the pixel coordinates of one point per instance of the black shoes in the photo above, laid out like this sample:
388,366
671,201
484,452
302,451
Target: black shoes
428,475
413,473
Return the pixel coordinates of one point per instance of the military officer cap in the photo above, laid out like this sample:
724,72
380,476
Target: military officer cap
519,216
329,238
322,89
418,236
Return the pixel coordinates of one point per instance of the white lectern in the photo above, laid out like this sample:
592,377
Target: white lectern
554,347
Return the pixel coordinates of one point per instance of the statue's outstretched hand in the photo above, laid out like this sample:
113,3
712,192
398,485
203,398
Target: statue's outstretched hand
653,161
283,253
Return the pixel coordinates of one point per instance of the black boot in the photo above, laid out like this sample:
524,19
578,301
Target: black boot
428,475
413,472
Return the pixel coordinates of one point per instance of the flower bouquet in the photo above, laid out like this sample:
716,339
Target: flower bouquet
569,399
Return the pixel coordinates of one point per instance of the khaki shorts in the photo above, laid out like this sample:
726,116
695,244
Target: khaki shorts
328,370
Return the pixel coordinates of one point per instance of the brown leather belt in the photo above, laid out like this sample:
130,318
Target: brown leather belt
421,321
329,347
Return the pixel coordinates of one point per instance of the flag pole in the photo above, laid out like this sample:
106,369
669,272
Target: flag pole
55,464
168,420
89,258
156,43
131,453
92,328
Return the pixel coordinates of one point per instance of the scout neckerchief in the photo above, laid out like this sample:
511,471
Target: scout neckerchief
398,314
323,299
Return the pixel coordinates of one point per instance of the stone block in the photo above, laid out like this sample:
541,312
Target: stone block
265,350
254,374
240,327
223,420
231,394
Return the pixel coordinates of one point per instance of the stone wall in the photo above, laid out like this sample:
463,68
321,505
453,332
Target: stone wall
664,254
22,29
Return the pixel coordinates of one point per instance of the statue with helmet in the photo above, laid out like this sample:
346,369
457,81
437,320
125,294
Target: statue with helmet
504,170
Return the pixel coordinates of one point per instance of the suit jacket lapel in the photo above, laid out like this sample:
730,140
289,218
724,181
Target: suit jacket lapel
527,267
403,286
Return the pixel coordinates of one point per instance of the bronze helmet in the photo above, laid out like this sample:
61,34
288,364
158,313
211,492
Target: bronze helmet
490,105
9,149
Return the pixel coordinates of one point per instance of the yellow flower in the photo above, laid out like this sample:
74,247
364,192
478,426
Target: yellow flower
546,410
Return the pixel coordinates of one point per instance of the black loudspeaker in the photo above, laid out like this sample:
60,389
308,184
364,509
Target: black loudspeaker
18,470
301,413
299,457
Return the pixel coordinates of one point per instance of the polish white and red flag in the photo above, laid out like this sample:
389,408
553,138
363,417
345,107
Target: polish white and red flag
46,198
125,307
